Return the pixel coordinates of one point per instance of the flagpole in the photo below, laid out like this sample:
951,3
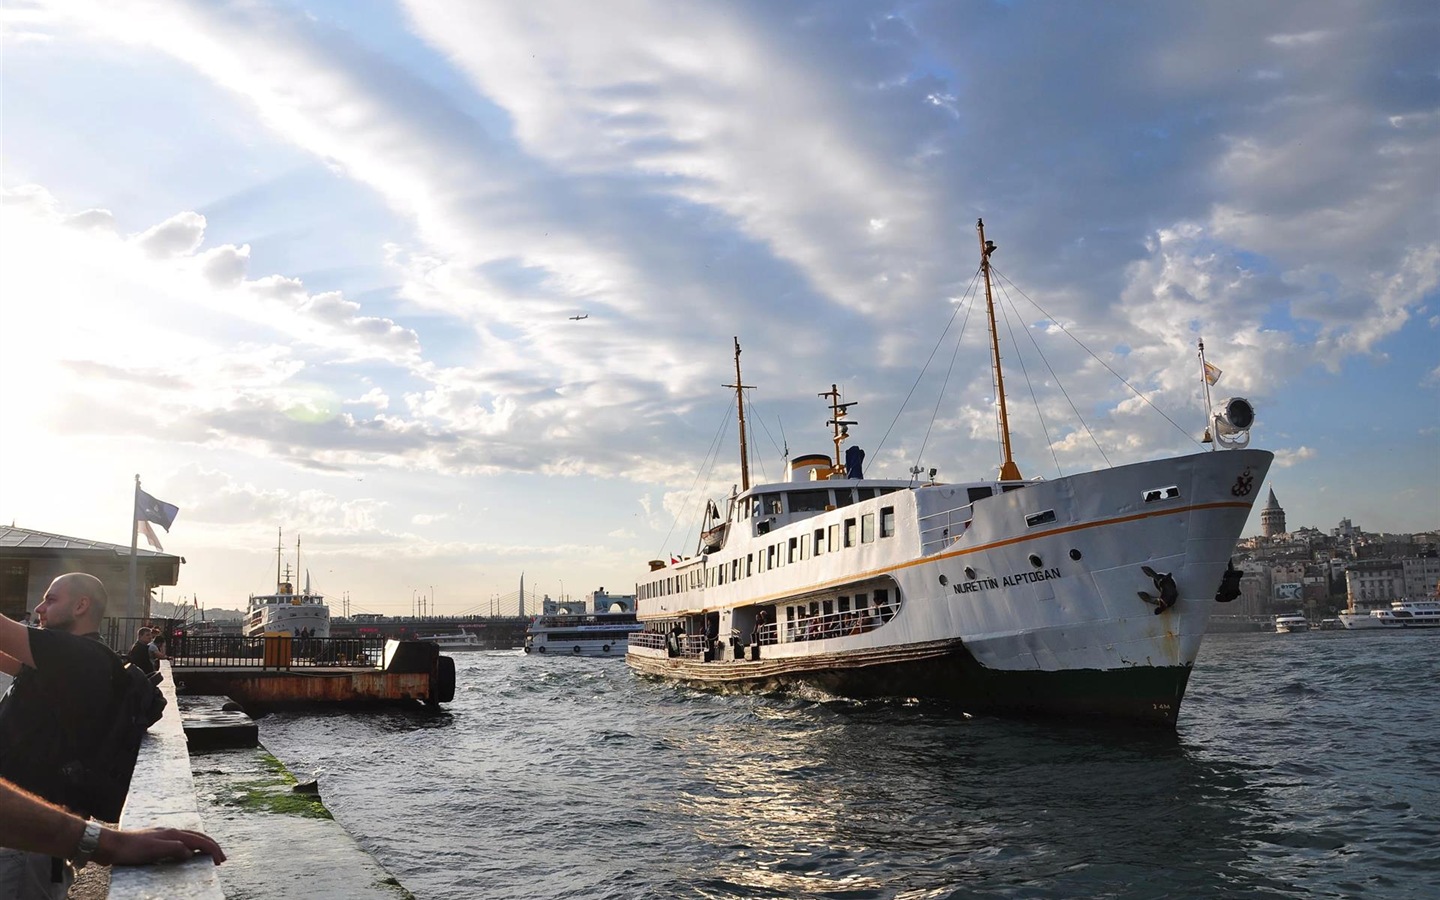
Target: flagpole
134,541
1205,382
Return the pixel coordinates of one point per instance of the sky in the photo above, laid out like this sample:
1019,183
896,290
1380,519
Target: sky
311,266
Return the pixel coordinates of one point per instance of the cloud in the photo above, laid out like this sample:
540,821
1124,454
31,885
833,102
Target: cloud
1286,458
225,266
179,235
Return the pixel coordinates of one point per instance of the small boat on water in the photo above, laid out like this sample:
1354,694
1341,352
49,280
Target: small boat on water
1402,614
1086,595
581,634
462,640
1291,623
285,610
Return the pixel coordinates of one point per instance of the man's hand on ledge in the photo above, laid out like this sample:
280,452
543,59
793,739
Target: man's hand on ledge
150,845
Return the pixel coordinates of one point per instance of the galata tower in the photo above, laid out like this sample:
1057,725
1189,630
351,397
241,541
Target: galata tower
1272,517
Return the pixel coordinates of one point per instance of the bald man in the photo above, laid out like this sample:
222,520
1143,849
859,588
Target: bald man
59,706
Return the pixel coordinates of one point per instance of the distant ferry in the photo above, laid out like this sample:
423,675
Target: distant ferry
463,640
1401,614
586,634
1291,623
285,610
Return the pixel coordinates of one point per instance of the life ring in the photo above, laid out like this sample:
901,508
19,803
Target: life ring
540,649
576,649
606,648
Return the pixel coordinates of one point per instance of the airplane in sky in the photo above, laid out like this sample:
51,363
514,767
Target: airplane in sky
578,318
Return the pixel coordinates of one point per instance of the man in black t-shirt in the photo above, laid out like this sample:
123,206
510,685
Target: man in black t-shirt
140,654
60,703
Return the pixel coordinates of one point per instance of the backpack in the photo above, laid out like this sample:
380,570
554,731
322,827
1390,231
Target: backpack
98,783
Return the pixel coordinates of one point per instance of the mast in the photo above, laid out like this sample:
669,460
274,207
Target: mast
279,549
1008,470
839,425
740,387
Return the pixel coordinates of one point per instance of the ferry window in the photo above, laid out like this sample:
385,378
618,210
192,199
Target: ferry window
861,601
887,521
749,564
850,532
792,551
844,604
734,569
773,505
1040,518
979,493
819,541
809,501
867,528
844,497
770,557
834,538
829,607
780,554
1007,488
804,547
865,493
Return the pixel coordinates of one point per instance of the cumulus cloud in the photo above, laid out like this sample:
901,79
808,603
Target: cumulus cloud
1287,457
225,266
179,235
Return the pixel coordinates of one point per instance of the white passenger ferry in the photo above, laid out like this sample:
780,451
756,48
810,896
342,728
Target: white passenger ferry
1086,595
582,634
461,640
285,610
1291,623
1402,614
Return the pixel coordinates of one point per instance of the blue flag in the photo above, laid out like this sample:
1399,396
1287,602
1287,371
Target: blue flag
149,509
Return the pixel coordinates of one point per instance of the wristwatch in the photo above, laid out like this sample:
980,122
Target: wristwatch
89,843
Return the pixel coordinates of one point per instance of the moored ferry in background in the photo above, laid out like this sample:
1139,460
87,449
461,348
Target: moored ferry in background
1085,595
285,610
1402,614
1291,623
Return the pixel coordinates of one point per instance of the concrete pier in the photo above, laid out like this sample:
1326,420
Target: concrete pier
280,843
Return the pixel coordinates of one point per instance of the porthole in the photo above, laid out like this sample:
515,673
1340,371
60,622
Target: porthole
1036,561
969,573
944,580
1074,554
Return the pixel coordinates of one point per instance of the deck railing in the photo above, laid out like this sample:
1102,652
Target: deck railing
832,625
283,652
939,530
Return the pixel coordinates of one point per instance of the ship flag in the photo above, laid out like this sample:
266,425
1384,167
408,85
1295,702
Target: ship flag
1212,374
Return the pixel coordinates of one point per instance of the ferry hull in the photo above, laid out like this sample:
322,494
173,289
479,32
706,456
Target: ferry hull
1147,695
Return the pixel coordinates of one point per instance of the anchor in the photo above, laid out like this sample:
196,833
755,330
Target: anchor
1165,584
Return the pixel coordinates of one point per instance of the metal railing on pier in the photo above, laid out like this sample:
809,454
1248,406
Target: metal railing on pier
276,652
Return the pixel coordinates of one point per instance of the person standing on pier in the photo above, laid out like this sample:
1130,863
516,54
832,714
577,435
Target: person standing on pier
59,707
142,654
